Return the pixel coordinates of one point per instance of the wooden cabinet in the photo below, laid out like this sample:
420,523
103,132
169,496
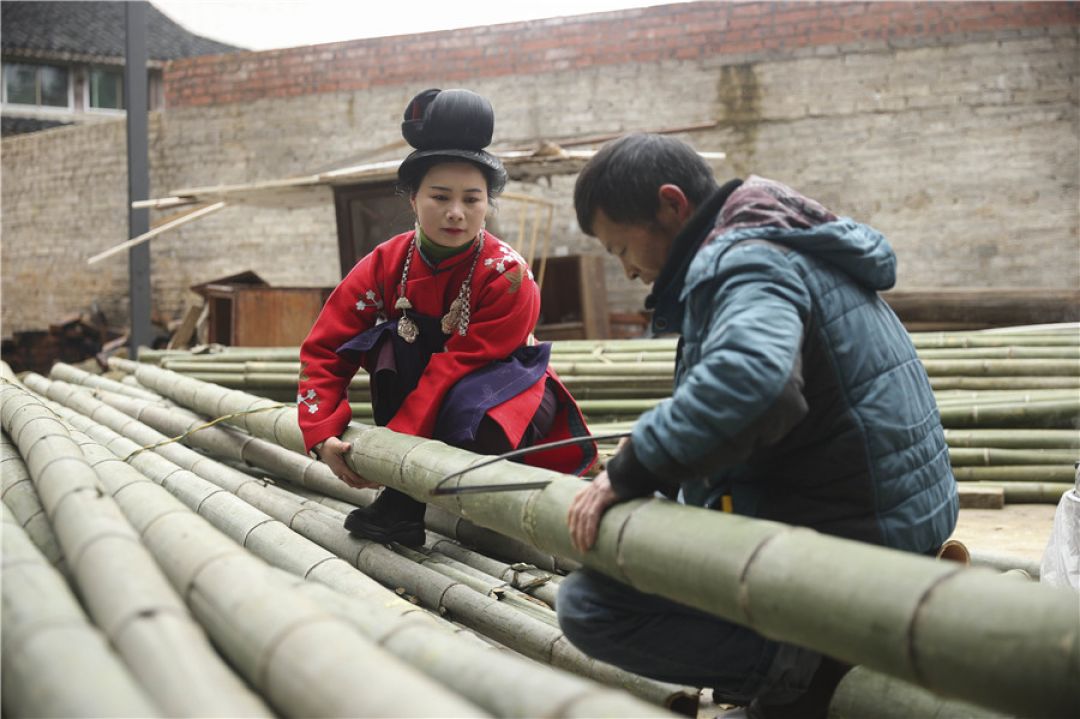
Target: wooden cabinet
252,316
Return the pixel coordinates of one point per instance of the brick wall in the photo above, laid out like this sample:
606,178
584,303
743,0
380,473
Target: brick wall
953,128
688,31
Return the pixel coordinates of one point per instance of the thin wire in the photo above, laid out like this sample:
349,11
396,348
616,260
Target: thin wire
528,450
203,426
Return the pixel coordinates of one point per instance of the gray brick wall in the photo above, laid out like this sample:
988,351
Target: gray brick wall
964,152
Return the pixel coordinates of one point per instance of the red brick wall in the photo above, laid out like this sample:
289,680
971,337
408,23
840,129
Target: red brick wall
668,32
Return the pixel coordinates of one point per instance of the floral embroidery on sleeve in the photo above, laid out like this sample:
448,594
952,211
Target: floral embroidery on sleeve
369,301
508,259
308,399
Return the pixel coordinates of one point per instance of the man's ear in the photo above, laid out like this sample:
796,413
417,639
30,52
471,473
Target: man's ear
675,207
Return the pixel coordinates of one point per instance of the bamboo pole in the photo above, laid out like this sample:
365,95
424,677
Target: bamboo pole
1027,492
121,585
1014,438
900,614
74,375
490,616
864,693
1058,414
1012,382
56,663
989,457
1014,474
304,472
22,501
376,612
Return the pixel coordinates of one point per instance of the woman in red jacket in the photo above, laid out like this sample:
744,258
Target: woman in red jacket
441,318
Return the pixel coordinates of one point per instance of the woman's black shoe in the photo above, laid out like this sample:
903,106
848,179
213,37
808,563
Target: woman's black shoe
393,517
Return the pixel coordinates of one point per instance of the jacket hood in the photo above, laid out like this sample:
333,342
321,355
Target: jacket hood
768,210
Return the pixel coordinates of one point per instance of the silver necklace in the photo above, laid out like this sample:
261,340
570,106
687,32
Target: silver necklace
457,317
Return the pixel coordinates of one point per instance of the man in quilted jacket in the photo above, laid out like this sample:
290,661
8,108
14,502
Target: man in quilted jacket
798,398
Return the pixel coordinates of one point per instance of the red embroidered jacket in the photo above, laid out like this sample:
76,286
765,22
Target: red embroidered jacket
505,305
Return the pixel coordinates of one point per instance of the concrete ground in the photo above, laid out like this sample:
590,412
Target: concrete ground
1018,529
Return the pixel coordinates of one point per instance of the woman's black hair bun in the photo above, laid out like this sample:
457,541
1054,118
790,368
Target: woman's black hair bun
448,119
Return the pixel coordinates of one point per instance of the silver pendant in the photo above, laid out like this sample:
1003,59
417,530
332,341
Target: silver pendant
407,329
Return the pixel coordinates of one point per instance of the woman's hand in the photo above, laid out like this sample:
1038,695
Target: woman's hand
332,451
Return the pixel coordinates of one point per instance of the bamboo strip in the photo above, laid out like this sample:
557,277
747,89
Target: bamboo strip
487,615
22,500
890,620
56,663
121,585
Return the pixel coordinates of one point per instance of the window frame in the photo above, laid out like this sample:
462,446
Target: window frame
38,107
87,107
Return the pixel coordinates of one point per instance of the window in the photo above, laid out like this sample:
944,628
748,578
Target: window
46,85
106,89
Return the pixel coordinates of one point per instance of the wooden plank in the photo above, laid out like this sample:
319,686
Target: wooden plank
182,336
981,497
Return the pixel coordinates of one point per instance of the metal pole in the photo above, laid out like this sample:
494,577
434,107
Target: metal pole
135,102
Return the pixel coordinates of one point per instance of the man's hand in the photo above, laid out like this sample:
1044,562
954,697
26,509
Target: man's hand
332,451
587,509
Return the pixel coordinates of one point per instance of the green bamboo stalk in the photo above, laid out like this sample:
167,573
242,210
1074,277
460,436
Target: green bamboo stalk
989,457
1014,438
1003,397
490,616
377,613
56,663
508,685
1030,492
74,375
935,340
1009,352
1004,383
304,472
121,585
22,501
1017,473
478,582
864,693
904,615
525,577
1002,368
1059,414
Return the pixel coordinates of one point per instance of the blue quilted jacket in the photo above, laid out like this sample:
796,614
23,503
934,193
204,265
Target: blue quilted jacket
797,391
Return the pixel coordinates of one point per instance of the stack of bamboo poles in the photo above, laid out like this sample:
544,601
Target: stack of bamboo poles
218,520
163,540
1010,401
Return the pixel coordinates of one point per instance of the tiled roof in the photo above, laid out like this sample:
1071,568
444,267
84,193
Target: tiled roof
95,28
21,125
